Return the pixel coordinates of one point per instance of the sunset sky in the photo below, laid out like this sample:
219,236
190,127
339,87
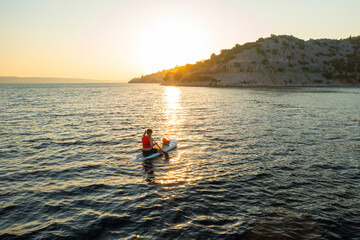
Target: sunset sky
120,40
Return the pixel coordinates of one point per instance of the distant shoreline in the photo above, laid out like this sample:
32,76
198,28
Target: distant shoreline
275,87
52,80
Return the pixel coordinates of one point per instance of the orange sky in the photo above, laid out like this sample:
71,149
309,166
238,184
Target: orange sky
119,40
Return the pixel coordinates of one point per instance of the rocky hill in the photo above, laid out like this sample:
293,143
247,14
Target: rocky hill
274,61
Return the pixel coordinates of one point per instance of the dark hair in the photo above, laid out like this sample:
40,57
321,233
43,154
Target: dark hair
149,131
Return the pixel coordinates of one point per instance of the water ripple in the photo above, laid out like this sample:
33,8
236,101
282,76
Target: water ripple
251,163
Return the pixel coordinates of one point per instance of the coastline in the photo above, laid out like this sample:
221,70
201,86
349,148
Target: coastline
276,61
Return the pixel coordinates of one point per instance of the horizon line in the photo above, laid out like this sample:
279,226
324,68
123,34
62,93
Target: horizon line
18,79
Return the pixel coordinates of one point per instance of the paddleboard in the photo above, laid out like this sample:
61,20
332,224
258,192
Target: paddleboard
165,147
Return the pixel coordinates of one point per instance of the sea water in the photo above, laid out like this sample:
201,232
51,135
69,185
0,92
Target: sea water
251,163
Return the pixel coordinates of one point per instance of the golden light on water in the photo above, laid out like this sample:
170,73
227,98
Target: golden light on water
173,111
172,106
180,172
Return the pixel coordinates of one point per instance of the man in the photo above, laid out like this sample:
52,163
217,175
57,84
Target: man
148,144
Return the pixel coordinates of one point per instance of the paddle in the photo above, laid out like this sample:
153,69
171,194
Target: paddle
165,153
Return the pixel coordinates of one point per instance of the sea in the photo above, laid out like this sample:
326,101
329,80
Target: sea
251,163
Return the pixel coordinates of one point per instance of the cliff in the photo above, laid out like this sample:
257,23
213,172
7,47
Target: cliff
274,61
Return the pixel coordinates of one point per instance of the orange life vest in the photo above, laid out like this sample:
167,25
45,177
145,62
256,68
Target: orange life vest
146,141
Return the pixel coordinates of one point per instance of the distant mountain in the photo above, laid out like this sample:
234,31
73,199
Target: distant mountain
47,80
275,61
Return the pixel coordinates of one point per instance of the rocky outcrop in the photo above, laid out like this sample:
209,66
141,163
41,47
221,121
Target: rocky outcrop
274,61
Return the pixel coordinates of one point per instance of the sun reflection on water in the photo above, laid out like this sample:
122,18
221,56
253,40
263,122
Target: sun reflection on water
172,106
180,169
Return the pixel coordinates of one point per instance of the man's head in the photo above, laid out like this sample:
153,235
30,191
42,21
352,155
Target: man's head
149,131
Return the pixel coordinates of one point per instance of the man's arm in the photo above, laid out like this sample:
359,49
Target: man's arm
151,142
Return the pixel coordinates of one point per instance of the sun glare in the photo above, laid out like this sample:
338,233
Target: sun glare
172,105
170,42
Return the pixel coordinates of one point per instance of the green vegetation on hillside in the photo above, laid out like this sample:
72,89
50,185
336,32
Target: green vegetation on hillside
348,67
279,54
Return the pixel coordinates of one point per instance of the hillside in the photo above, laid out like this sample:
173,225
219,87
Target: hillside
274,61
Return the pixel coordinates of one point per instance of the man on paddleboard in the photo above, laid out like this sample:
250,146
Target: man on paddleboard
148,144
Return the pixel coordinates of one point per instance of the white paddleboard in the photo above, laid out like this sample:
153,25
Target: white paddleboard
139,157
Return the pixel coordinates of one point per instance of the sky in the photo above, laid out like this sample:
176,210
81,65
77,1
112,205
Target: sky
124,39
